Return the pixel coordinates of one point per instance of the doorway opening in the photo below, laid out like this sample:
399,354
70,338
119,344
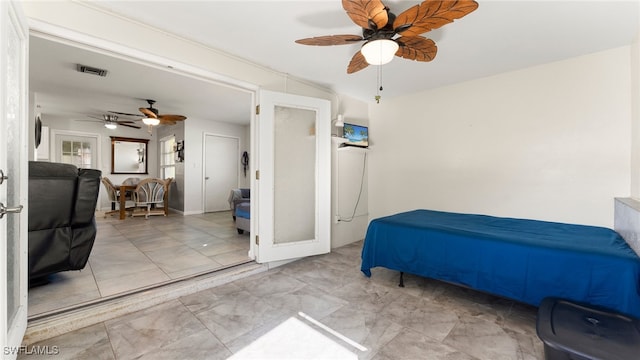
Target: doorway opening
137,254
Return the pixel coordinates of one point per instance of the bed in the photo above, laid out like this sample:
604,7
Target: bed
525,260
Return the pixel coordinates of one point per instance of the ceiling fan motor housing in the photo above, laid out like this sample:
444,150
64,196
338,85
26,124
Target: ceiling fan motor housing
151,108
387,32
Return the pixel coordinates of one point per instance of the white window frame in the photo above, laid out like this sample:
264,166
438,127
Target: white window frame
163,166
54,148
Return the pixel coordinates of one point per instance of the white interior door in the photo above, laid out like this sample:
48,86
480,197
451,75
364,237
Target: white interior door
14,177
222,158
294,185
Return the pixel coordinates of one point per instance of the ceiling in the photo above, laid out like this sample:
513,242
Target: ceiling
62,91
499,36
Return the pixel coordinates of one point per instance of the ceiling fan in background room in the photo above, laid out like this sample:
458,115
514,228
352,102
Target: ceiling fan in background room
153,118
387,35
111,121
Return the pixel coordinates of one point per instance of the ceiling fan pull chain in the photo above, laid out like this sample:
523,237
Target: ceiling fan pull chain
377,97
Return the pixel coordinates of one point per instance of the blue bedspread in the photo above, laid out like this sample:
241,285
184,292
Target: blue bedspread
525,260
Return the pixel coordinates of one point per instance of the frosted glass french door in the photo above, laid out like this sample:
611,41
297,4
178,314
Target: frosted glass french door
13,177
294,182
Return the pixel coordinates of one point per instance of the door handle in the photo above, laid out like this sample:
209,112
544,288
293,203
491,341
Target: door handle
2,177
206,178
6,210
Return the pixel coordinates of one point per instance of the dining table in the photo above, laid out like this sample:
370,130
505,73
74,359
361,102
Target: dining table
123,189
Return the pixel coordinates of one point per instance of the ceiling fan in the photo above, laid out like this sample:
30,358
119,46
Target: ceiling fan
111,121
152,113
153,117
386,34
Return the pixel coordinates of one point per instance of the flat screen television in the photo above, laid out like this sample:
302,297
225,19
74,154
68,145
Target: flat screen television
356,135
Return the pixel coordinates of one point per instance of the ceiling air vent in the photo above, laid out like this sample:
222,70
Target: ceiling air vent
91,70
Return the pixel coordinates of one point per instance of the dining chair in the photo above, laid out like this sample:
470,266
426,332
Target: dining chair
114,197
131,181
149,195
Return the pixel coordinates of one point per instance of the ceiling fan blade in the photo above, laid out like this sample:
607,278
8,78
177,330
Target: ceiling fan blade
128,125
431,14
330,40
416,48
164,121
122,113
173,118
89,120
148,113
357,63
125,122
368,14
96,117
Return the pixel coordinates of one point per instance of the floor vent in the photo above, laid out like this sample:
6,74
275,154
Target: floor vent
91,70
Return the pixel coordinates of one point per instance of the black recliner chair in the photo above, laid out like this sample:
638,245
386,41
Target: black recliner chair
62,228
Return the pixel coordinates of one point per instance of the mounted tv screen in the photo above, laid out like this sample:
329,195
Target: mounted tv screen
356,135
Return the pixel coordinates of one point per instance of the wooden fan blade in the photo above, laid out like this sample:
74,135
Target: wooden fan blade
416,48
173,118
357,63
131,126
368,14
330,40
431,14
148,112
164,121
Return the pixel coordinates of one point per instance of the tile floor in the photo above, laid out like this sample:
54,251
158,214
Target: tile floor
134,253
318,307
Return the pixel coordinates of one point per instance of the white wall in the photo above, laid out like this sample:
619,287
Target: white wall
194,137
550,142
345,232
635,116
189,178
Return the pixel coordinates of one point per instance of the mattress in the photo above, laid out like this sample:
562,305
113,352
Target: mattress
525,260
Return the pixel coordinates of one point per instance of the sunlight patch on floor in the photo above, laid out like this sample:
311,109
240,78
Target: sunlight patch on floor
295,339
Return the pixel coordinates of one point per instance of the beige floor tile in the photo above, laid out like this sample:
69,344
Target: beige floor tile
149,330
125,252
131,281
232,257
88,343
178,258
64,289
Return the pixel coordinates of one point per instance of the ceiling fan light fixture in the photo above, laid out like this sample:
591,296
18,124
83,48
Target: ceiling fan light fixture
379,52
110,126
151,121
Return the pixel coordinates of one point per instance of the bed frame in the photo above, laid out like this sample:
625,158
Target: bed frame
525,260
